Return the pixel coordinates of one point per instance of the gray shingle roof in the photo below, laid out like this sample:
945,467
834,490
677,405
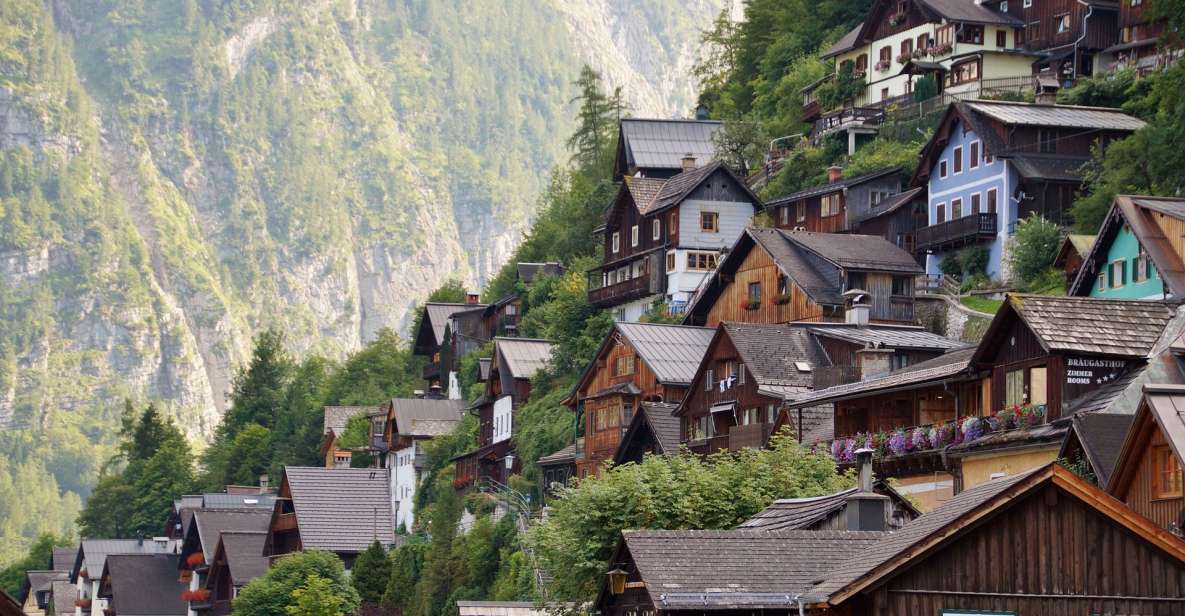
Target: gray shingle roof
971,12
341,509
96,551
770,352
523,356
874,555
662,144
336,417
823,189
211,523
823,287
677,187
663,424
845,42
673,352
893,203
718,569
797,513
63,558
425,416
145,585
565,455
857,252
891,337
941,367
244,555
1127,328
1065,116
437,314
527,272
64,596
219,500
41,580
1101,436
643,190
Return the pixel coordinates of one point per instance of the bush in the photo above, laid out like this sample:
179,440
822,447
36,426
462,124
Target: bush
1034,247
275,592
1052,281
951,265
973,282
974,260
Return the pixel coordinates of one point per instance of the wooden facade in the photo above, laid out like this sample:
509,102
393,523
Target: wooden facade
1149,475
783,301
749,420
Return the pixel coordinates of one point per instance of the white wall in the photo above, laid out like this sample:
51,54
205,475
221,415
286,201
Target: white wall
503,419
403,485
734,217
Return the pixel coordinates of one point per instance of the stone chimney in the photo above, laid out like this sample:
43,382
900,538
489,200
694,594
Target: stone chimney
874,361
866,510
435,393
859,307
688,162
834,174
264,480
472,298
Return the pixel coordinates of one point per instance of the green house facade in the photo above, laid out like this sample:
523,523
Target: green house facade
1127,272
1137,253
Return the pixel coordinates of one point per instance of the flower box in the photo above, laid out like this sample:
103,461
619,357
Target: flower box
904,57
938,50
194,560
747,304
186,576
782,299
883,65
196,596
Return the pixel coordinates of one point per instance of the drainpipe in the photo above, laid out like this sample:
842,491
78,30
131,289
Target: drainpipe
798,599
1085,19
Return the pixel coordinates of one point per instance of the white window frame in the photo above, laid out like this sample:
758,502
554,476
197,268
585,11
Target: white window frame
708,380
1028,3
1118,282
616,242
943,168
941,205
672,261
957,155
973,161
1004,6
1102,286
656,229
952,208
634,236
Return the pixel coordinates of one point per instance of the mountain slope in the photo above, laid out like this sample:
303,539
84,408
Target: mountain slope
176,175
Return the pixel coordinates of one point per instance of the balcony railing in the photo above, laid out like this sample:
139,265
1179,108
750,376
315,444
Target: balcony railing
960,231
650,280
822,378
847,117
751,436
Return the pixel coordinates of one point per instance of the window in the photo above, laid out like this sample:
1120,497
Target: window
709,222
784,213
857,280
703,428
672,224
973,155
709,382
634,235
1046,140
945,35
884,94
940,213
1018,36
958,159
616,241
906,49
671,261
829,205
1037,385
1117,273
902,285
701,261
886,53
656,229
1137,2
964,73
956,208
741,374
623,365
1167,480
637,268
975,203
783,285
1002,36
1063,23
991,200
751,416
1028,3
1034,33
1140,266
922,40
898,362
755,292
941,170
801,212
1014,387
968,33
862,63
1102,282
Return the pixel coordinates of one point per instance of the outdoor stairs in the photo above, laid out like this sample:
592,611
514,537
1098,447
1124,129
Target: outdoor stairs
517,504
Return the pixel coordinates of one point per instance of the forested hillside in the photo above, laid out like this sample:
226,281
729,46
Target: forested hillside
177,176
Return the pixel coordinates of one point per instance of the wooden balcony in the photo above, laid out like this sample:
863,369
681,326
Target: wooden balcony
849,117
709,445
651,281
822,378
958,232
285,522
751,436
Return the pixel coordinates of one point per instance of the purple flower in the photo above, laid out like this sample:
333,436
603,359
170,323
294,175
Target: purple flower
898,443
918,439
972,428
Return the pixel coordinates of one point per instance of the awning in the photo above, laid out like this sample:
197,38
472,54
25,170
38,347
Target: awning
916,67
723,407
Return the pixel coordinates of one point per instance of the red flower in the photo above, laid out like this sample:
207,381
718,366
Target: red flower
196,559
196,596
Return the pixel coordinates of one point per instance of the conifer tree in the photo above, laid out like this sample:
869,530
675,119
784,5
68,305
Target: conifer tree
371,572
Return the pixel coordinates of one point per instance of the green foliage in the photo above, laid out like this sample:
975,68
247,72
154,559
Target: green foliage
883,154
407,562
683,491
1050,281
840,91
371,572
596,123
1033,248
974,260
741,145
38,558
560,312
357,433
951,265
320,574
1080,466
925,88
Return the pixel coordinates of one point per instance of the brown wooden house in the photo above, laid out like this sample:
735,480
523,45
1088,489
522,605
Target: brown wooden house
433,335
835,206
896,218
1039,542
1140,44
515,361
654,430
654,148
1148,475
777,276
637,362
1067,36
237,560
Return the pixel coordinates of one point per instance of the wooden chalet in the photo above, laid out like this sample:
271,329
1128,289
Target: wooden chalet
777,276
558,468
1141,44
835,206
237,560
142,585
654,430
339,510
1071,253
1069,39
515,361
1093,442
202,539
431,337
637,362
896,218
990,164
1139,253
1040,542
653,148
410,422
1148,475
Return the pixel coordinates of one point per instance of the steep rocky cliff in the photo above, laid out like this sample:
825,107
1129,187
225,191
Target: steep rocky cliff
176,175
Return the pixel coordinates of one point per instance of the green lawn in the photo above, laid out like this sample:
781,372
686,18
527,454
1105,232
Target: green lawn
990,306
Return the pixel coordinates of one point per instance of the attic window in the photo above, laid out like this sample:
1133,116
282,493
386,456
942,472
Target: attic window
250,501
802,366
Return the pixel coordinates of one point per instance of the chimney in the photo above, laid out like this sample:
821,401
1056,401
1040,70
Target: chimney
434,393
834,174
859,307
263,482
472,298
419,393
688,162
866,510
874,361
701,112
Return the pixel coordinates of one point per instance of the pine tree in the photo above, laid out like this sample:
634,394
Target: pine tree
596,124
371,572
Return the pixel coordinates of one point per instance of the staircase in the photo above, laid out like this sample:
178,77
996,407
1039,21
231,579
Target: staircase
518,505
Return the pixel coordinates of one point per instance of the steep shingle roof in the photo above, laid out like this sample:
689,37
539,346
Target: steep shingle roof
244,555
941,367
341,509
563,456
797,513
96,551
523,356
1064,116
1101,436
219,500
643,190
437,314
858,252
145,585
845,42
673,352
336,417
771,352
527,272
426,416
211,523
1139,215
891,337
792,261
662,144
676,188
714,569
893,203
969,12
1126,328
63,558
663,424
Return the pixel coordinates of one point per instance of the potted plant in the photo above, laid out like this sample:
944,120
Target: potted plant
750,304
195,560
782,299
904,57
882,65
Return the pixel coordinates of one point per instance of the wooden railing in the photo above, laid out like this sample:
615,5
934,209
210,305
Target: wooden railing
650,281
844,117
963,230
752,436
285,521
822,378
620,292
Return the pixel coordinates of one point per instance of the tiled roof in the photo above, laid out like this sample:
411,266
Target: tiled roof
211,523
523,356
672,352
797,513
894,544
336,417
662,144
857,252
643,190
565,455
64,596
845,42
770,353
893,203
677,187
941,367
341,509
1065,116
1127,328
719,569
96,551
437,314
891,337
823,189
792,261
145,585
244,555
663,424
426,416
63,558
219,500
969,12
1101,436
